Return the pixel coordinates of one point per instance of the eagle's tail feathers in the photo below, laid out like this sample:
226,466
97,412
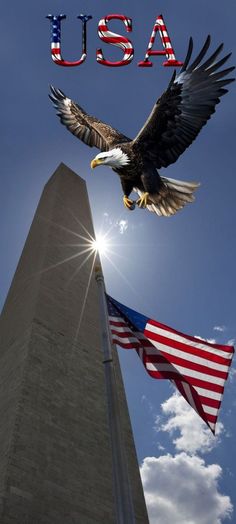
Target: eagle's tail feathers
179,185
172,197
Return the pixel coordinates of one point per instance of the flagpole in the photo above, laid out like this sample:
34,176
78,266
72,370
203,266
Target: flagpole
121,484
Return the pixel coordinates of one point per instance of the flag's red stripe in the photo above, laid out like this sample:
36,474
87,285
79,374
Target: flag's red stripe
158,375
173,374
191,380
122,334
117,323
228,349
189,365
193,398
129,335
210,402
211,418
186,348
133,345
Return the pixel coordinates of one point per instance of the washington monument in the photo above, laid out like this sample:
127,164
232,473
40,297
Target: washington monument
55,447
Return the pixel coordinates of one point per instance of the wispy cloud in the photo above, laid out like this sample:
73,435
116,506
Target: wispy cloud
221,329
120,224
151,408
210,340
123,226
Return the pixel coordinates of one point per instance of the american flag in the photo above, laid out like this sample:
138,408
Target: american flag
198,368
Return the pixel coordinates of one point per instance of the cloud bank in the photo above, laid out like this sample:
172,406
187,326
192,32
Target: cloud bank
182,488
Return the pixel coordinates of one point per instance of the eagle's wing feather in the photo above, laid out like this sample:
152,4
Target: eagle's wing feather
87,128
184,107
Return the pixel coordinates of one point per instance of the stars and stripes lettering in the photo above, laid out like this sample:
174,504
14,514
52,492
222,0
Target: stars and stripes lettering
161,28
198,368
56,40
117,40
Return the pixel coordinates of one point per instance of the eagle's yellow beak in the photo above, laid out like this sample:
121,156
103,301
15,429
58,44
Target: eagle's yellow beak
95,162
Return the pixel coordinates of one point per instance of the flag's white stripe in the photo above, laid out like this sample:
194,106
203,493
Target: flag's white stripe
186,356
117,319
121,329
210,410
208,394
186,372
126,340
144,340
129,339
197,344
212,425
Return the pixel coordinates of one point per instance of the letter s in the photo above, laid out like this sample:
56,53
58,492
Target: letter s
117,40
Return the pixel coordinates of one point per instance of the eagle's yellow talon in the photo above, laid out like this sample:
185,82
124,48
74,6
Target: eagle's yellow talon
130,204
143,200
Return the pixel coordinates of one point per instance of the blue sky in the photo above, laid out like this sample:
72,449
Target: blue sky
181,269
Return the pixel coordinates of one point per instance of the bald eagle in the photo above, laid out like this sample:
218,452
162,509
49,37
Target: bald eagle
175,121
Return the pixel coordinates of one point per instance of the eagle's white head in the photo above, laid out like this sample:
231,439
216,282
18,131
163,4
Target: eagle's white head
113,158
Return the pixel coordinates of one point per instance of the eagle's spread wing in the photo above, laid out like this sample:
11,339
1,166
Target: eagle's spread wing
87,128
184,107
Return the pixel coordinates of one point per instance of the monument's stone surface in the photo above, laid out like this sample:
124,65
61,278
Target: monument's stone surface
55,454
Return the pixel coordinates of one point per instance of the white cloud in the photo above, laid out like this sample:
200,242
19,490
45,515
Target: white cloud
210,340
194,435
219,328
123,226
183,490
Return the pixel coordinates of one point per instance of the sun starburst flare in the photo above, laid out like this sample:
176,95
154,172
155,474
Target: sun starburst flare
87,248
100,244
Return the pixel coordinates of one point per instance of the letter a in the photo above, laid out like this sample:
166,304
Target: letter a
166,42
56,40
117,40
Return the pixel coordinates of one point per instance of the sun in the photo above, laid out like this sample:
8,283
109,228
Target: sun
100,244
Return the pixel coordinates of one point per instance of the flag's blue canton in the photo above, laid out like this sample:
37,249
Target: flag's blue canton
136,319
